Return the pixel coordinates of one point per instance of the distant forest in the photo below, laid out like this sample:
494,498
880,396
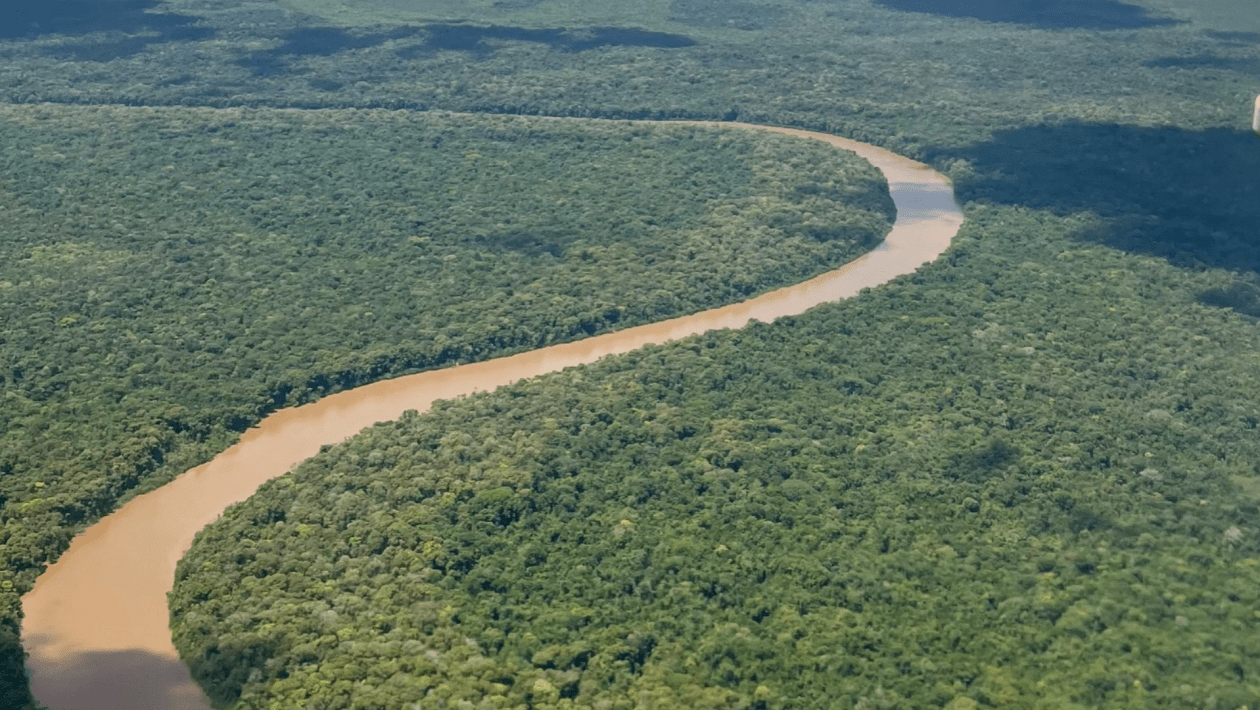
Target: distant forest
1000,536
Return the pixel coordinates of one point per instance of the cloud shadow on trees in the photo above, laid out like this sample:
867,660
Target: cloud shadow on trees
1191,197
1043,14
1242,65
471,38
316,42
1234,36
478,40
34,19
732,14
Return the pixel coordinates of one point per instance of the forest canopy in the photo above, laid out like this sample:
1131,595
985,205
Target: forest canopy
170,275
1032,491
1059,138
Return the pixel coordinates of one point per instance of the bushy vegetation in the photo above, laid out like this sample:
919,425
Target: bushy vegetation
1033,487
170,275
1132,137
907,80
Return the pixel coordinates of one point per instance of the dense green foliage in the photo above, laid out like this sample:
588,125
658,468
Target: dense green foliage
1034,488
1139,126
907,80
170,275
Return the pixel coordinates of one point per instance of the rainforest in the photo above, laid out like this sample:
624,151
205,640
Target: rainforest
1025,476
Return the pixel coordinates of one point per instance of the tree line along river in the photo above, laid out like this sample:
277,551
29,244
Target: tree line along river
96,622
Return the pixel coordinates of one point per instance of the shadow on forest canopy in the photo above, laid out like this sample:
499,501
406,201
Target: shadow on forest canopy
1191,197
325,41
1044,14
471,38
32,19
1242,65
1234,36
725,13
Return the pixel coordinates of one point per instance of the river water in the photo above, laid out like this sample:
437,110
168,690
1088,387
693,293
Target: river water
96,623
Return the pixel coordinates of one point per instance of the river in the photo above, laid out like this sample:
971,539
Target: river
96,622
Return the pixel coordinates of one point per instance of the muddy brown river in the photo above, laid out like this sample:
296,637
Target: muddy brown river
96,621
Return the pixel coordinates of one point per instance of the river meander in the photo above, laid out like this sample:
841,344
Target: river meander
96,622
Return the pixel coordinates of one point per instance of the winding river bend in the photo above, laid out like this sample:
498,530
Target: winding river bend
96,623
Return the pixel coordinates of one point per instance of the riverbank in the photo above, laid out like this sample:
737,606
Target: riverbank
105,599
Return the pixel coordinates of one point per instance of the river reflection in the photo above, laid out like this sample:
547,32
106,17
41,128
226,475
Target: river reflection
96,622
923,202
